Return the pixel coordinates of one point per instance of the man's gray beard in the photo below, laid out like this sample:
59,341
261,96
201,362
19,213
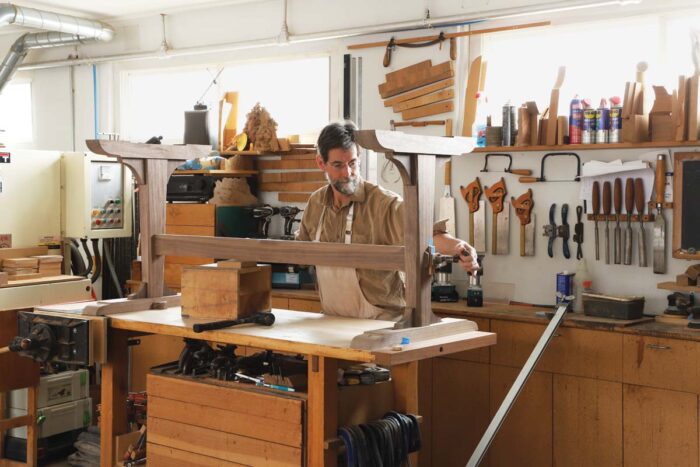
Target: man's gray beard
348,186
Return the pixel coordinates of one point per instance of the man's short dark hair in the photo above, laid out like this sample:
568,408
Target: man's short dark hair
334,136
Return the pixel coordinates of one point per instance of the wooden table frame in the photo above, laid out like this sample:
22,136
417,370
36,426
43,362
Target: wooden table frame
414,157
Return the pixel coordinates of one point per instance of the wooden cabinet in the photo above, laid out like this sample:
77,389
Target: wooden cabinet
587,423
585,352
279,302
660,426
515,342
525,438
662,363
299,304
460,410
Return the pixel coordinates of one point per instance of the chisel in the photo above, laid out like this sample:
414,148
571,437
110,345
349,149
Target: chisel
660,222
596,211
629,207
607,205
639,204
617,201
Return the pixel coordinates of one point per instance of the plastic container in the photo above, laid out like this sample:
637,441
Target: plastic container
56,418
608,306
55,389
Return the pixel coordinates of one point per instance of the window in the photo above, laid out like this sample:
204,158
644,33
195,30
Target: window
599,58
295,92
16,113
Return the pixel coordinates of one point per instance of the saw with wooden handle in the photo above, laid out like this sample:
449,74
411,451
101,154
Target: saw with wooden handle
477,215
501,216
447,202
523,205
659,240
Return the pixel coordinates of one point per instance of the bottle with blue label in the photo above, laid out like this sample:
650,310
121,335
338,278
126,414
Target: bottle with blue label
479,126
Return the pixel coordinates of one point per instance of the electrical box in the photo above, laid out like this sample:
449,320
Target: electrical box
97,196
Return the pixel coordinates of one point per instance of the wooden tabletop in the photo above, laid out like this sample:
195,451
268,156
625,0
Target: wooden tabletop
301,332
42,280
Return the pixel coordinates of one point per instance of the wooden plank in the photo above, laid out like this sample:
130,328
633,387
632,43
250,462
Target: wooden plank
423,146
424,100
660,427
458,422
594,147
304,305
322,410
9,423
225,397
527,431
478,355
406,393
168,456
419,92
293,197
190,214
23,252
661,363
32,428
693,84
276,177
427,110
430,348
292,186
279,302
186,260
403,75
382,257
385,338
218,173
252,426
470,100
284,164
113,395
437,73
587,412
129,150
222,445
207,231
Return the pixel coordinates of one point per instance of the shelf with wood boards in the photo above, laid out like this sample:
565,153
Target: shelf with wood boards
678,288
218,173
589,147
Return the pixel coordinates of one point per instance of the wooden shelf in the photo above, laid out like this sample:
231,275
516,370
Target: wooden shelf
589,147
218,173
292,152
678,288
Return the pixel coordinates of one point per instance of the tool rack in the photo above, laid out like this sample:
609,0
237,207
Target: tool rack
415,158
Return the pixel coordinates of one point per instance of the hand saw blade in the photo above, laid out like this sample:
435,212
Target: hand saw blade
480,229
503,230
530,237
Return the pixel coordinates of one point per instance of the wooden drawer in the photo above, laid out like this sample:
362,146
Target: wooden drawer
279,302
575,352
221,421
478,355
584,352
190,214
661,363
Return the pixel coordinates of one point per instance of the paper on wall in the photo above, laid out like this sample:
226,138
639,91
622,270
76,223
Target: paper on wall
608,171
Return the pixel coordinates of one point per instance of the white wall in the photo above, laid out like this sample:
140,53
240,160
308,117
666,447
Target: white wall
59,127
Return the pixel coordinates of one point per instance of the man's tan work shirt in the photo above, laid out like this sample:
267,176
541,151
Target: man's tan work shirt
378,220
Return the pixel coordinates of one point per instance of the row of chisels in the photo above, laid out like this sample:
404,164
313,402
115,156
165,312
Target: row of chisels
634,200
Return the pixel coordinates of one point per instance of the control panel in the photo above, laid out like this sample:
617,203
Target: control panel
97,194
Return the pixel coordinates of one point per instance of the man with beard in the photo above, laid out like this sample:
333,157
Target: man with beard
352,210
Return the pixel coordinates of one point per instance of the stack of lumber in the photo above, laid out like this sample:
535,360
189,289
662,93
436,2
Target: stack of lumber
49,265
25,267
420,90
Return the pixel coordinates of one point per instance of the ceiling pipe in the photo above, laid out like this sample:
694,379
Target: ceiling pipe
62,30
447,21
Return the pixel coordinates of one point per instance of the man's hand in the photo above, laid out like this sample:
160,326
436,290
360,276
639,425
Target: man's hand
448,245
467,256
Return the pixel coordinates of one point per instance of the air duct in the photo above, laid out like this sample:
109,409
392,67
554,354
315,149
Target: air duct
63,30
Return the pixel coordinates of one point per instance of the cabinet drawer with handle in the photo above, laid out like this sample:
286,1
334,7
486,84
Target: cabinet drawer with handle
661,363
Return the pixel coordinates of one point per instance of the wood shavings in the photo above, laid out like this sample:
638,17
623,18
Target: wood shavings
232,192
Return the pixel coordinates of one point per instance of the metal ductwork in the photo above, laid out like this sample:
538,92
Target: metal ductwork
63,30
